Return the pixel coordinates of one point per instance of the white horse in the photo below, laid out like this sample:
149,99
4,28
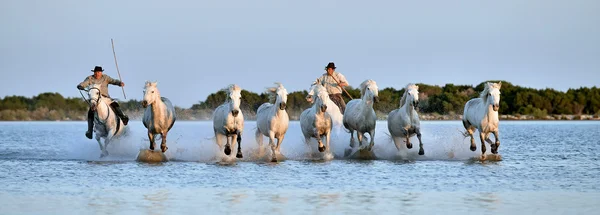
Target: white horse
107,124
228,121
404,122
482,114
315,121
272,120
159,115
335,113
359,115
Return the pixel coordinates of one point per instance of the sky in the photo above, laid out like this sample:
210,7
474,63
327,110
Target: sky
194,48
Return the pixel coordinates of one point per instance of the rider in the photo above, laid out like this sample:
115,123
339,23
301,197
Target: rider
103,80
334,81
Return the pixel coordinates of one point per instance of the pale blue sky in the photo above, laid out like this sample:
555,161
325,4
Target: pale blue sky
194,48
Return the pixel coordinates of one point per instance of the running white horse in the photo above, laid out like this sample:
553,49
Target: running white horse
159,115
482,114
107,124
315,121
404,122
360,116
335,113
272,120
228,121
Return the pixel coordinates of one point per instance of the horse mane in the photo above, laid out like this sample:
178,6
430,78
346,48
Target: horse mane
406,89
272,92
363,86
487,87
229,89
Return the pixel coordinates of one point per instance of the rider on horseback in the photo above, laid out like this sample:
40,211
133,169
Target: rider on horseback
103,80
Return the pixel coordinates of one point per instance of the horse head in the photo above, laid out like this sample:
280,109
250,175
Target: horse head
278,95
412,95
311,91
321,98
94,95
493,94
150,94
234,96
369,91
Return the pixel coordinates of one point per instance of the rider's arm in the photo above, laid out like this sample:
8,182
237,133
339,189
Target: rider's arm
342,80
113,81
84,83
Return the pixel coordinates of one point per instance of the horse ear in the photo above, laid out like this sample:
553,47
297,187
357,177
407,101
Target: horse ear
147,83
499,84
154,83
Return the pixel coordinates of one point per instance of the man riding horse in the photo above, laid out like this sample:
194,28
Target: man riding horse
334,81
103,81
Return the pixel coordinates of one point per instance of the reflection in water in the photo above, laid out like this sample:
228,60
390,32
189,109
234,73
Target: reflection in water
156,202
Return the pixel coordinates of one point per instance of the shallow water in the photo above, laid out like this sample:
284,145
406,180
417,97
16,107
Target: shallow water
547,167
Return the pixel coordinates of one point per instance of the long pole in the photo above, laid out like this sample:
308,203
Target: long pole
344,89
116,64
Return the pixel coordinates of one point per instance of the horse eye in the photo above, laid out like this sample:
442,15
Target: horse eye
152,91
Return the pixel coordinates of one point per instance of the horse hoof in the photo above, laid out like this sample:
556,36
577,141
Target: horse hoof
421,152
473,148
227,150
165,149
104,154
321,149
151,148
274,160
409,145
239,155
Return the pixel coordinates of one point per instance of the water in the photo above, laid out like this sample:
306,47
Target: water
548,167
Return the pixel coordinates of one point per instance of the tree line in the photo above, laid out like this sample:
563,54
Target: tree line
444,100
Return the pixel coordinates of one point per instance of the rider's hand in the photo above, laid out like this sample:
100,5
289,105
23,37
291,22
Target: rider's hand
79,87
122,84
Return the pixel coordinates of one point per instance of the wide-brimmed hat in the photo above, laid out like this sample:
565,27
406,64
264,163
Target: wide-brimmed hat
330,65
98,68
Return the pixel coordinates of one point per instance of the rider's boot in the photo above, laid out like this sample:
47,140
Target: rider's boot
90,121
120,113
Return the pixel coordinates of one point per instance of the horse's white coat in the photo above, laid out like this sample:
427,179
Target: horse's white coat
159,115
272,120
334,111
105,119
315,121
482,114
404,122
360,116
228,121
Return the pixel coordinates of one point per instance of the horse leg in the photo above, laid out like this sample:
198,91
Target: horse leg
163,144
273,146
407,135
279,141
105,151
238,138
396,142
218,140
352,143
100,144
496,144
227,149
320,141
482,136
359,136
327,140
470,130
259,141
372,135
151,138
421,151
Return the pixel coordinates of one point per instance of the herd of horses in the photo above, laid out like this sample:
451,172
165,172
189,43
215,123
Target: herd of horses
316,122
